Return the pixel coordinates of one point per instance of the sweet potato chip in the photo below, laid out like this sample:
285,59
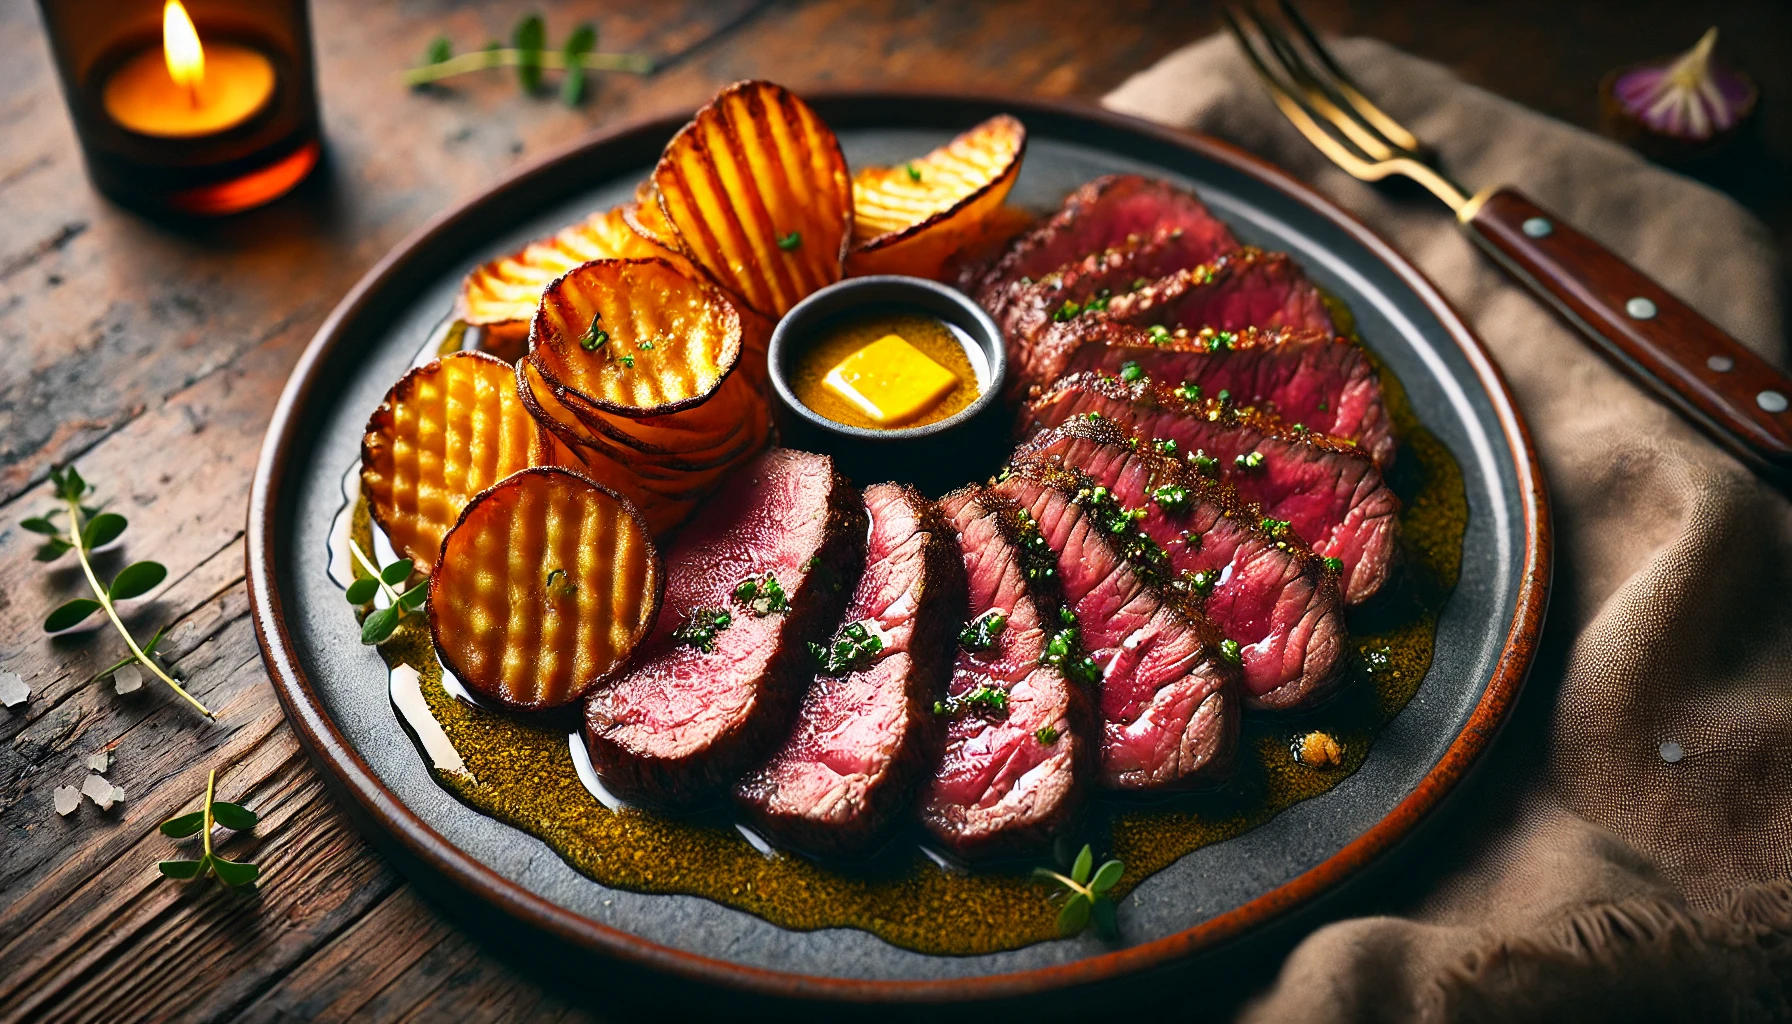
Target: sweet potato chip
547,584
757,189
445,432
645,218
910,219
635,337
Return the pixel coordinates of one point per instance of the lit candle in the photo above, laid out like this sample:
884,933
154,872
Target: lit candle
187,90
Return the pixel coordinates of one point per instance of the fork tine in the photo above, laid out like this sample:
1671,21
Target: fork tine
1304,118
1352,94
1322,97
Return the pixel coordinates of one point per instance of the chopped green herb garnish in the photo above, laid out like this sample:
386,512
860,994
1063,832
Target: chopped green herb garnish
1129,371
1159,334
1250,461
980,698
1171,497
1139,282
1229,651
855,646
980,633
761,595
645,346
1188,392
1066,616
560,584
1274,527
1046,735
1202,581
594,337
628,361
700,629
1065,312
1335,564
1164,446
914,173
789,242
1064,653
1224,396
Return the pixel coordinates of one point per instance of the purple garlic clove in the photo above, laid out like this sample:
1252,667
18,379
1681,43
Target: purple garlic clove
1680,108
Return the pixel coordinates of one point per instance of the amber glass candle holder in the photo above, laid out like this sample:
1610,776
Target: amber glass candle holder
168,132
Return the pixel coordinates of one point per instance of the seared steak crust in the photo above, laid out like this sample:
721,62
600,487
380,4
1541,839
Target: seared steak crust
1097,216
1168,703
1008,779
688,718
1269,593
1328,492
863,738
1320,381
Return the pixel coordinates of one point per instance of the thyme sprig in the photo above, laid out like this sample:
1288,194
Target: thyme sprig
89,528
530,55
380,623
1087,887
235,817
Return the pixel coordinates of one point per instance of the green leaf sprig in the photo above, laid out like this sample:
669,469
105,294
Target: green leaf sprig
90,528
380,623
235,817
1087,887
530,55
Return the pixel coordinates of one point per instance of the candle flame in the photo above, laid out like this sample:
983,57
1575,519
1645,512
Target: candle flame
180,45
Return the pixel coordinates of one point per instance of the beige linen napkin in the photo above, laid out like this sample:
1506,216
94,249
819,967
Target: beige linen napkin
1591,879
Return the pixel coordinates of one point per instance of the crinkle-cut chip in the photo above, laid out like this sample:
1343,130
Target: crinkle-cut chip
445,432
547,584
645,218
635,337
758,191
507,290
912,218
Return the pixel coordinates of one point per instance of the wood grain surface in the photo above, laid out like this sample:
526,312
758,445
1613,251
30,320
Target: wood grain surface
151,355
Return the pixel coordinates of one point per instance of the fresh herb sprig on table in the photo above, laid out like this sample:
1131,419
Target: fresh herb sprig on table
89,528
235,817
530,55
1087,887
380,623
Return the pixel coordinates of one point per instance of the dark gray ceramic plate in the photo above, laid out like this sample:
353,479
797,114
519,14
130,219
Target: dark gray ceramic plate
335,691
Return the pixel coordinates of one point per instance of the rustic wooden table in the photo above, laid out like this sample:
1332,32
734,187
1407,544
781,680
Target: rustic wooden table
151,355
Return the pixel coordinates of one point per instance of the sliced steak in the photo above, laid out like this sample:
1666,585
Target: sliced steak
1269,594
1026,307
1010,777
1327,491
1168,703
1318,380
701,705
1097,216
862,738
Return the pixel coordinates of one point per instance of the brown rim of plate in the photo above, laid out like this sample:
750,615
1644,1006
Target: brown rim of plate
370,799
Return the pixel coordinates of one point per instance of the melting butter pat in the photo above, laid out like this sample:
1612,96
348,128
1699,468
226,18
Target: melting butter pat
891,381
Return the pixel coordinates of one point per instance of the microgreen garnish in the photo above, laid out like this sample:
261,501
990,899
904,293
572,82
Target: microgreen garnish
1171,497
1129,371
594,337
380,623
981,632
235,817
90,528
979,698
1250,461
761,595
789,242
1188,392
529,55
1046,735
914,173
1087,887
700,629
1335,564
851,649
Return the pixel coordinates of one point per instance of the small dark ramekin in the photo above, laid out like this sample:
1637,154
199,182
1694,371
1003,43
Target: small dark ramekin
968,445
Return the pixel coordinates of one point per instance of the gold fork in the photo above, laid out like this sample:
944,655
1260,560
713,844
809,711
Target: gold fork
1734,395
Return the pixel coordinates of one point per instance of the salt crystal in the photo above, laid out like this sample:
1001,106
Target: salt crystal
67,799
128,679
13,690
102,792
100,762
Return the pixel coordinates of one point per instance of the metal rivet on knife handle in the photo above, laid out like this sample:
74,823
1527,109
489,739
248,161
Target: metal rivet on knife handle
1537,227
1772,401
1640,308
1722,364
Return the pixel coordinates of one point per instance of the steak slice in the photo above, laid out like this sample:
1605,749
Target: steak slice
1168,704
1008,778
1098,216
1026,307
1271,595
1320,381
863,734
695,711
1326,491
